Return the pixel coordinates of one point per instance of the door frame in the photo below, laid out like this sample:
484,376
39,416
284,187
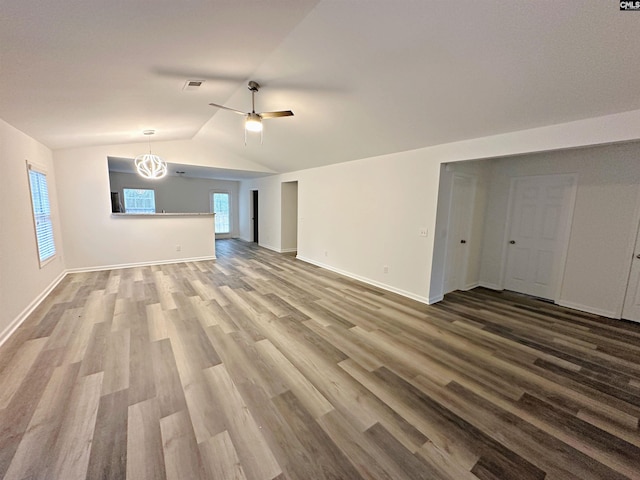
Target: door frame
255,210
631,252
566,233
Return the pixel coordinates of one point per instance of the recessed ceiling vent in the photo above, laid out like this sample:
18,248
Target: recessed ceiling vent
192,85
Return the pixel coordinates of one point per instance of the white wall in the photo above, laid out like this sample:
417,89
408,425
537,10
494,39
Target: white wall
605,221
269,211
94,238
367,213
22,281
357,217
289,216
182,194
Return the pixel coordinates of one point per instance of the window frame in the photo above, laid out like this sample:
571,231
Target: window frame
124,201
32,167
211,201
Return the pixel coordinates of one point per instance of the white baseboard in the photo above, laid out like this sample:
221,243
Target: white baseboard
490,286
369,281
288,250
269,247
12,327
471,286
588,309
435,299
139,264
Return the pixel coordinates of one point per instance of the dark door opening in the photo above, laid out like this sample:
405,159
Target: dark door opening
255,215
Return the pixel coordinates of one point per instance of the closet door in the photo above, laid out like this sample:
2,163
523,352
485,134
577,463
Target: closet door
459,232
541,208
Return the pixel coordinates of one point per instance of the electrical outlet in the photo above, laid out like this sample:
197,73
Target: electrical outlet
385,269
178,248
424,231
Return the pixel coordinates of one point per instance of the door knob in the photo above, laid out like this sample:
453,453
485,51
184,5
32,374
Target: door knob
463,241
512,242
638,256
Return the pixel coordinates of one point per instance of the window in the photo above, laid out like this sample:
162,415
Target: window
41,215
139,200
220,203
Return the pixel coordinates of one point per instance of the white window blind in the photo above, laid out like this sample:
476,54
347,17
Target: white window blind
41,214
221,209
139,200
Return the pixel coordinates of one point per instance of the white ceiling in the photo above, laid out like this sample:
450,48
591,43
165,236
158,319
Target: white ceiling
364,77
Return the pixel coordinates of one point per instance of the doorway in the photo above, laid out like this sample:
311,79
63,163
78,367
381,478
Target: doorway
459,232
254,215
289,217
539,221
631,307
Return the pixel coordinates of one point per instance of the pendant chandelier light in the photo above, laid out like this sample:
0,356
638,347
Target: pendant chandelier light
150,165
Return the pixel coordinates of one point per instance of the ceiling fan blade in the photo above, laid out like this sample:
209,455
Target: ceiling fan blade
227,108
284,113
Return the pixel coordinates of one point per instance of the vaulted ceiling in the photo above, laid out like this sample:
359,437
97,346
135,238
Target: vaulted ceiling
363,77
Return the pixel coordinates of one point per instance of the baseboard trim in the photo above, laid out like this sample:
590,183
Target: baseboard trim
140,264
269,247
490,286
471,286
588,309
13,326
288,250
435,299
368,281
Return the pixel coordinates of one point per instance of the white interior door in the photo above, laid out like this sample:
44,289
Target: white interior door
631,308
458,232
541,210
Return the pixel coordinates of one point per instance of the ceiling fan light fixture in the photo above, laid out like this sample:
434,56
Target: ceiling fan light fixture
149,165
253,123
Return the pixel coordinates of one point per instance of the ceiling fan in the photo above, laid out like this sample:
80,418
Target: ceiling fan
253,120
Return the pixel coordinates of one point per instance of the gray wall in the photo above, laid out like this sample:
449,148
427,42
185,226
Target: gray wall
181,194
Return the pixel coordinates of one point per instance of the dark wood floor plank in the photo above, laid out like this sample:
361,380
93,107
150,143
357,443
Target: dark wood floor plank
169,390
108,459
328,459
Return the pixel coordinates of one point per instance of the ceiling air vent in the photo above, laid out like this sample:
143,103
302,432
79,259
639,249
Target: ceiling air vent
191,85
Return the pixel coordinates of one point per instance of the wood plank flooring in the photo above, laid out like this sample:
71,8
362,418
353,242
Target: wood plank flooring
258,366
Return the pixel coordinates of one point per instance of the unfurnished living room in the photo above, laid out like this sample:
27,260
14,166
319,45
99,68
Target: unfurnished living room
320,239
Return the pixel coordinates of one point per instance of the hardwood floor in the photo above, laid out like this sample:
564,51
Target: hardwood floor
259,366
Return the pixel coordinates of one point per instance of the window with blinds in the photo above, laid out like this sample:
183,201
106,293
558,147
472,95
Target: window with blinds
139,200
41,215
